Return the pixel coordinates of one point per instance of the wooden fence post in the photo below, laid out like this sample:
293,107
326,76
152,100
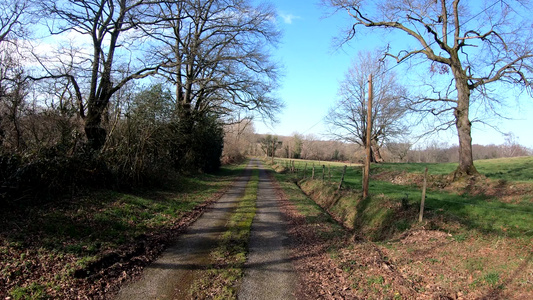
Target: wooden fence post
323,172
421,215
329,173
313,174
293,167
342,177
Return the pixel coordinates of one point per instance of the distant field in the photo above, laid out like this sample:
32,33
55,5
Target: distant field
301,162
512,169
515,168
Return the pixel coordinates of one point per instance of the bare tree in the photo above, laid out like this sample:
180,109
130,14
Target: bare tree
110,29
481,43
399,150
13,22
13,18
347,119
511,147
216,54
312,148
239,139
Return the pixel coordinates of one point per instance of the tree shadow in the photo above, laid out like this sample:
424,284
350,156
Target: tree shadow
498,291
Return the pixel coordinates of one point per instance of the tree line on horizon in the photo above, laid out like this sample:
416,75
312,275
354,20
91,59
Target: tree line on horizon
242,141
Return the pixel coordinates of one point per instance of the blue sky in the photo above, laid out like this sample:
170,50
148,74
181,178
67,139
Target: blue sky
313,69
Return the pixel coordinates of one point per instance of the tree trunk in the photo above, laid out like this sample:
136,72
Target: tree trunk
96,135
464,126
376,153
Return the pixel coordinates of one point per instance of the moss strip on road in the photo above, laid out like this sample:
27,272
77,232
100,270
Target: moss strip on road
224,275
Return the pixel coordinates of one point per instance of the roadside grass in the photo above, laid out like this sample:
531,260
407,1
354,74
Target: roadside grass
470,245
224,275
44,251
314,215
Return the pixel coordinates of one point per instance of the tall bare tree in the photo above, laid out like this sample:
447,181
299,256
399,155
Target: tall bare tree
347,119
480,42
217,55
95,74
14,18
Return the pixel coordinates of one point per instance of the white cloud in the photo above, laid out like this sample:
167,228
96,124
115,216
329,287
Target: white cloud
288,18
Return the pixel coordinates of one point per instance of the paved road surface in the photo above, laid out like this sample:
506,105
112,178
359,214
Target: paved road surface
269,273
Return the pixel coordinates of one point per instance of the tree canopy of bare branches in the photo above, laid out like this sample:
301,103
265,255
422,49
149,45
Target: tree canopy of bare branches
13,15
216,53
482,43
347,119
97,73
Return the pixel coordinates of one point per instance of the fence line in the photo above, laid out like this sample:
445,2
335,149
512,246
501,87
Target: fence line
430,199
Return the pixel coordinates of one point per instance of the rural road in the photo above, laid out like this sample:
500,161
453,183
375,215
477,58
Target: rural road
268,271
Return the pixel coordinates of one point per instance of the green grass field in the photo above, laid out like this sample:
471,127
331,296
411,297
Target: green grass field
512,169
485,213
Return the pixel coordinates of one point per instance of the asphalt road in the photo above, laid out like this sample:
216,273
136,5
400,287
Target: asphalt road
268,271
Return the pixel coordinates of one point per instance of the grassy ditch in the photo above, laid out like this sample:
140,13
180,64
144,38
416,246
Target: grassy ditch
475,241
314,215
86,246
223,277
